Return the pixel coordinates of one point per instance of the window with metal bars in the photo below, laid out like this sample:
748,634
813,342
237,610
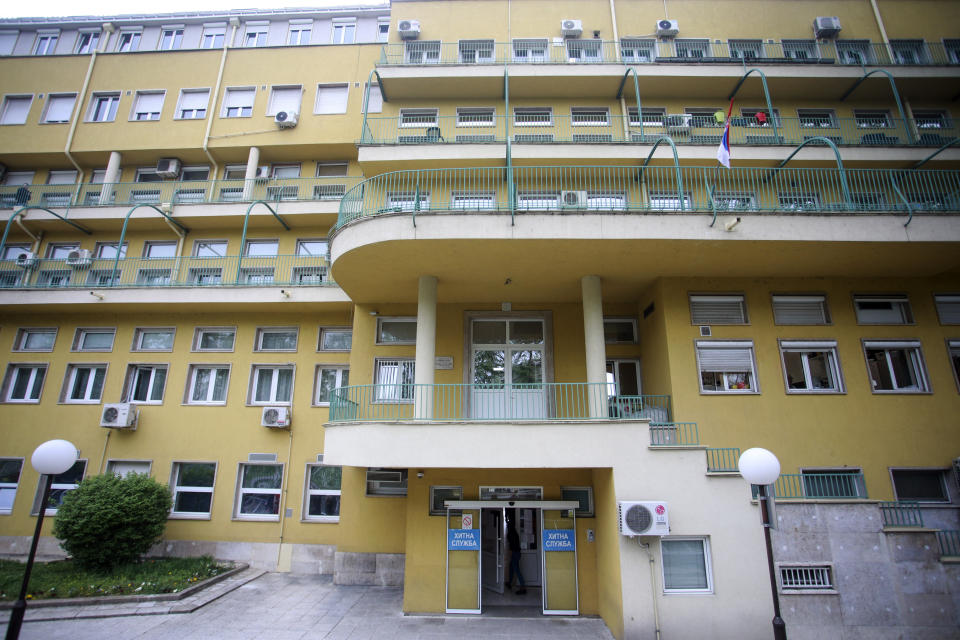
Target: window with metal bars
806,578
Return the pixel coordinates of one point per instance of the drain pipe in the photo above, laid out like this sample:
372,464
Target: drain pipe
35,249
625,115
283,504
653,587
234,24
108,28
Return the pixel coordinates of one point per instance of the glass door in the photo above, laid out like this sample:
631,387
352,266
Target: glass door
507,366
493,548
463,561
559,544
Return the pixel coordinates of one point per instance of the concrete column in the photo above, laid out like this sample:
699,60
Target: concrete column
249,178
111,177
595,347
426,346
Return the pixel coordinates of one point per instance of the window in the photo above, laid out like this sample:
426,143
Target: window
149,339
299,32
344,31
800,49
817,118
686,565
122,468
8,39
948,308
692,48
475,116
213,36
271,385
951,47
439,495
909,51
24,382
318,248
258,491
93,340
895,366
261,248
532,116
922,485
734,201
256,34
811,366
620,330
335,339
800,310
210,248
833,483
193,104
328,379
583,495
383,29
87,41
35,340
883,310
386,482
171,38
473,200
668,201
408,201
872,119
476,51
128,41
634,50
758,117
15,109
103,107
717,309
147,105
10,469
623,378
375,99
799,201
651,117
806,578
214,338
84,383
530,201
153,249
108,250
418,117
331,98
59,108
423,52
393,380
61,484
153,277
46,43
854,52
396,330
238,102
285,99
145,383
746,49
207,384
589,116
530,50
12,251
322,497
192,484
583,50
726,366
276,339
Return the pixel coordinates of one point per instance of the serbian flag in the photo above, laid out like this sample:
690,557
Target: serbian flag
723,151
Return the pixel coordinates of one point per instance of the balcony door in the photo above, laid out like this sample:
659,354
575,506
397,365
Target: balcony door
507,369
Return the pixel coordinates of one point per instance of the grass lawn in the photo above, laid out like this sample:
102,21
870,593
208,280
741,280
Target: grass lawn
63,579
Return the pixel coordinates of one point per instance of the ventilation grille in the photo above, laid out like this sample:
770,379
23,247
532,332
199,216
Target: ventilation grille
806,577
262,457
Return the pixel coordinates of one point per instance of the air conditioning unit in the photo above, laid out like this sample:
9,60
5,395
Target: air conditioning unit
647,518
826,26
27,260
286,119
168,167
408,29
79,258
571,28
119,415
573,199
263,173
667,28
275,417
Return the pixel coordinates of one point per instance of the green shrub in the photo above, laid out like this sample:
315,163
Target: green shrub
107,520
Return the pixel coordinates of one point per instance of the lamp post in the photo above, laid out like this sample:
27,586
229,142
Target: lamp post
49,459
760,467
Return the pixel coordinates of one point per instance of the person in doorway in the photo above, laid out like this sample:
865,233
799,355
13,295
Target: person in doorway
513,542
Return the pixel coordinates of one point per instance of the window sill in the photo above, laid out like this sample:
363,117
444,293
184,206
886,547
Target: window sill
809,592
323,520
187,516
275,518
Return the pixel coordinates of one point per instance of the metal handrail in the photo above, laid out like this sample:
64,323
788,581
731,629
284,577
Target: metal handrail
123,230
22,210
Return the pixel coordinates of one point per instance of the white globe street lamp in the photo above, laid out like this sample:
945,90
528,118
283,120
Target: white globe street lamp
49,459
761,468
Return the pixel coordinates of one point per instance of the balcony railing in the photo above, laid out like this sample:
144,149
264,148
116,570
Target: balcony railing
176,192
819,486
228,271
527,402
723,459
602,126
674,434
638,51
949,540
651,189
901,514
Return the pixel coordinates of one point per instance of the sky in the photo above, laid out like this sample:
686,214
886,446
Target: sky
63,8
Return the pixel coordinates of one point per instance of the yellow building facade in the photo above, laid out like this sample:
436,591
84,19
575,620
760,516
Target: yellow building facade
400,293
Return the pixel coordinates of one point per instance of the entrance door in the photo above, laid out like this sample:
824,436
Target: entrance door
493,547
507,368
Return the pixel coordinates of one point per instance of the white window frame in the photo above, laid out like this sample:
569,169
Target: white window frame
341,31
915,362
58,96
150,245
46,42
707,565
338,370
668,201
754,382
457,494
112,101
953,352
421,52
208,39
176,37
398,392
301,28
261,331
277,95
34,369
399,319
633,49
11,486
473,200
192,373
402,201
128,40
593,116
133,373
241,491
113,463
530,112
56,486
334,109
419,118
803,307
24,334
254,244
533,50
88,40
139,333
617,320
374,99
71,375
383,34
805,348
324,331
470,50
717,309
7,106
177,489
899,305
196,113
211,246
256,34
198,339
942,473
476,116
136,111
308,492
242,110
274,369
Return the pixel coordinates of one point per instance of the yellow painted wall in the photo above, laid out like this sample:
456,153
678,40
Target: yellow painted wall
609,593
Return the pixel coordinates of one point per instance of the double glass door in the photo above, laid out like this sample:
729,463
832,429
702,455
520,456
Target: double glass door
507,369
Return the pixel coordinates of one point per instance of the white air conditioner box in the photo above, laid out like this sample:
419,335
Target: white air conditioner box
79,258
571,28
263,173
667,28
573,199
648,518
826,26
275,417
286,119
168,167
27,260
408,29
119,415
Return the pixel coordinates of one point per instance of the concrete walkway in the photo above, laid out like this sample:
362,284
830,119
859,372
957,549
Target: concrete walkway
281,606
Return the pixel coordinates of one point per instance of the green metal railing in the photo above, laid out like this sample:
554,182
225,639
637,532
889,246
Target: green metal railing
527,402
901,514
679,50
723,459
674,434
949,540
818,486
86,272
652,189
